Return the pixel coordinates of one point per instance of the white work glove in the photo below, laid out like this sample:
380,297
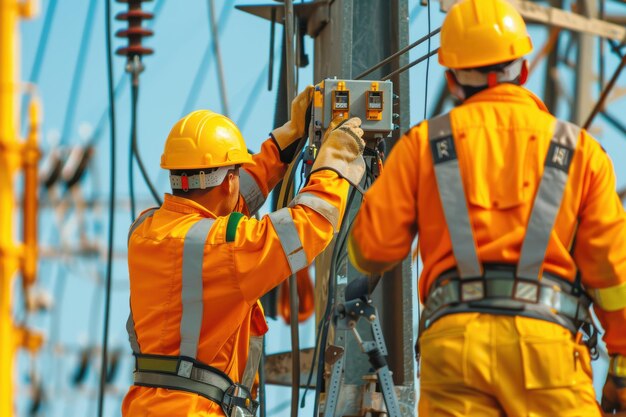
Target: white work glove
342,150
286,136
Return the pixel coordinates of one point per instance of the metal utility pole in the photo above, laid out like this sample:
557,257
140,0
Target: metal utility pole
357,36
12,254
350,37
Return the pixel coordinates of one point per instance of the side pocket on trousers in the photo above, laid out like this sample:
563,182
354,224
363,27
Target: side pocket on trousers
547,363
443,358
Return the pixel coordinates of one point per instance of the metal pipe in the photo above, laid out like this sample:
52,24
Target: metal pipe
10,159
31,155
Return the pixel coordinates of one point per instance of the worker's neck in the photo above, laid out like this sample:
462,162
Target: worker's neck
214,201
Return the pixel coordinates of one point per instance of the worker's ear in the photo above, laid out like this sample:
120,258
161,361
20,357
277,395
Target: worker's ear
454,86
524,74
231,181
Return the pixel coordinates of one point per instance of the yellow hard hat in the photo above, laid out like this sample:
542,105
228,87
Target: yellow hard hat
204,139
477,33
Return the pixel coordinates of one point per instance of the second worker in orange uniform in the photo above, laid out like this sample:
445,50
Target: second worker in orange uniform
520,230
198,264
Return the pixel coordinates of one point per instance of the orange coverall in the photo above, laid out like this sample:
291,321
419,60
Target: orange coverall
473,363
236,274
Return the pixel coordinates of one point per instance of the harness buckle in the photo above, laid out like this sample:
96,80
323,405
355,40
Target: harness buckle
238,402
526,291
472,290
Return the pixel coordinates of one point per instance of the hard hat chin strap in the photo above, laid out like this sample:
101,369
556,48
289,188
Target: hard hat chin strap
476,78
200,181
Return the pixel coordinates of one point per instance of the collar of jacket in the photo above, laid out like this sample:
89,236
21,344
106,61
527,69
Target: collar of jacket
509,93
186,206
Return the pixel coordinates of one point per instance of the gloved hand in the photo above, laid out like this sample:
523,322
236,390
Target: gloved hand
614,393
286,136
342,150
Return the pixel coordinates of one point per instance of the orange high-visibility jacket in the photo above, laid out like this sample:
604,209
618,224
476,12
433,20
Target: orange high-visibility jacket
501,136
236,272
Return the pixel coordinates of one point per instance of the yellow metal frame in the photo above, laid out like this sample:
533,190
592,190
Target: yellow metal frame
13,157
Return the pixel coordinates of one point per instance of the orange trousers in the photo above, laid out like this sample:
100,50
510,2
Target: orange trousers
485,365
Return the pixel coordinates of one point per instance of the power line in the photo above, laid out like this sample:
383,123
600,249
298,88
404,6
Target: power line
218,57
400,52
42,46
412,64
79,70
109,267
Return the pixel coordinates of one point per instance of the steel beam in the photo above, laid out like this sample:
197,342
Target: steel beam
553,16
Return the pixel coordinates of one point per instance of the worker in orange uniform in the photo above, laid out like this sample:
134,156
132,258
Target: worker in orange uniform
198,264
509,203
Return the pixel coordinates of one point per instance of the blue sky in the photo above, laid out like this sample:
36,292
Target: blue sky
180,41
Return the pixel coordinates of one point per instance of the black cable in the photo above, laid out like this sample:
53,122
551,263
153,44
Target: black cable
135,148
109,268
42,46
427,63
411,64
134,96
326,319
400,52
79,70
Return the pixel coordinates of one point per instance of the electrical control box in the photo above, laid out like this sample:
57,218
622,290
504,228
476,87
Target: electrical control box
371,101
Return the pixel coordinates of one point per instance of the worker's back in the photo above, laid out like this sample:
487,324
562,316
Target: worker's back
155,266
501,137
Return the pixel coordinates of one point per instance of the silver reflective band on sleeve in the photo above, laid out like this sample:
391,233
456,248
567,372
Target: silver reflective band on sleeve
452,194
548,200
250,191
193,254
139,220
132,335
319,205
289,239
255,350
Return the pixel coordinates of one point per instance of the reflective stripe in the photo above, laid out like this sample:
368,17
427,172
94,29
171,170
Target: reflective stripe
611,298
255,350
193,254
289,239
130,322
132,335
548,200
452,194
319,205
140,220
250,191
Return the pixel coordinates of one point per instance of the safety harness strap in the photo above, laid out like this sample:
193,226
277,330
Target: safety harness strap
163,380
130,322
289,239
548,200
250,191
319,205
192,284
452,194
553,300
255,351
